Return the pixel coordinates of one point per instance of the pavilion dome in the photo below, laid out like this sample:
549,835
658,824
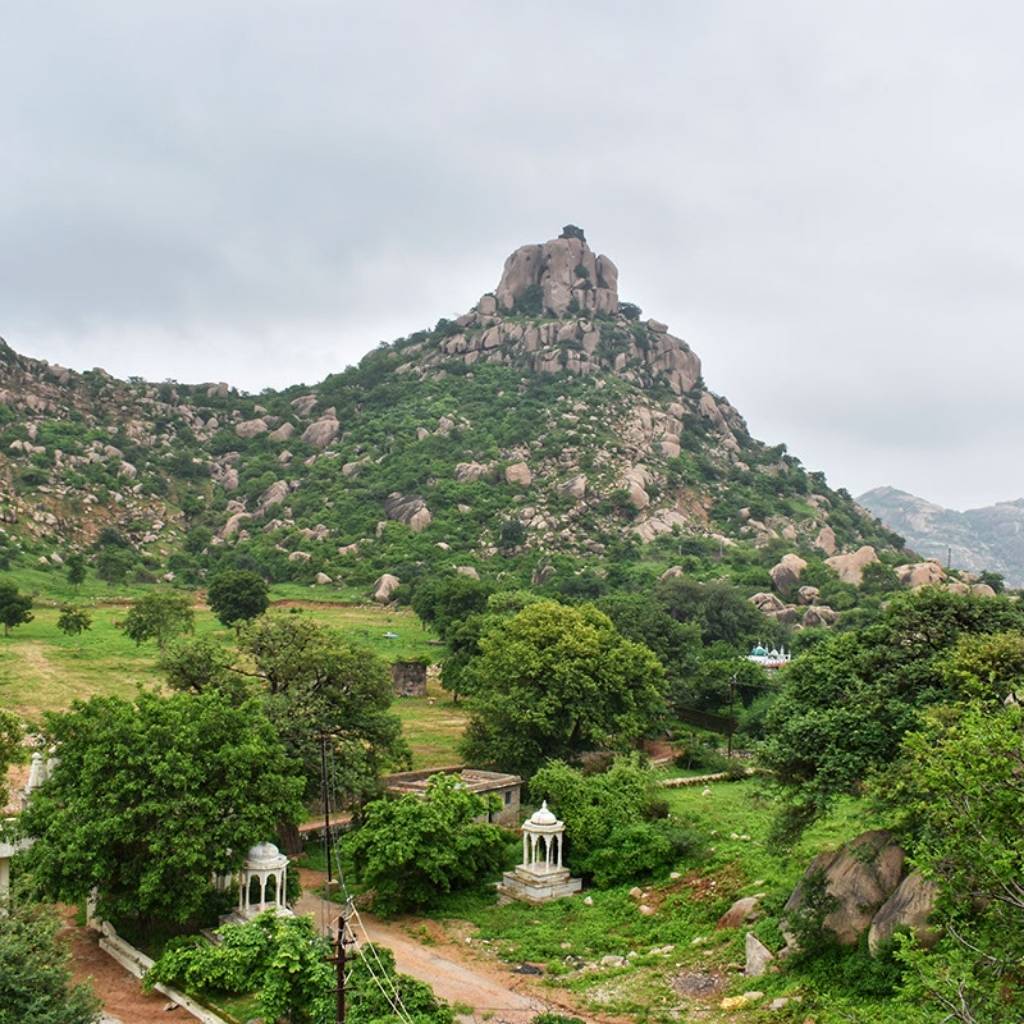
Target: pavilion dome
264,856
759,652
542,816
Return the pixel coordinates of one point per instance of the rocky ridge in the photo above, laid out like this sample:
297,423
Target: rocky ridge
548,420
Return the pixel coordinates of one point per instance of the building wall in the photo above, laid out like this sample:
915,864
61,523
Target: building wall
409,678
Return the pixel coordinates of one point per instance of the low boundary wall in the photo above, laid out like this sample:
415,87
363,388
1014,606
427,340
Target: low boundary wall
137,963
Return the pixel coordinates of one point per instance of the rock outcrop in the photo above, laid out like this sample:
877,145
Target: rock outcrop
384,588
562,274
412,511
910,906
858,877
850,567
786,573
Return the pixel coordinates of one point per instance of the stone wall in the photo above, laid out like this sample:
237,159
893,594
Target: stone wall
409,678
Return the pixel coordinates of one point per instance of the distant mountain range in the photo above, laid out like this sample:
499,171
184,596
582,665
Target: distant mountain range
981,538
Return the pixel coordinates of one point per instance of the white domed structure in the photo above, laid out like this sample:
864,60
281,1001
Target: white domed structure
262,883
541,877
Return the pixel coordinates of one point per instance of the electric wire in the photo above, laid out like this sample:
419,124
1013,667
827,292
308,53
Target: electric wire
394,1001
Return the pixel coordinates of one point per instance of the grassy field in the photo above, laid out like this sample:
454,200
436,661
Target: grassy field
679,944
43,670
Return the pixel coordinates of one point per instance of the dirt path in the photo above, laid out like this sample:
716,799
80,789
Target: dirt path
122,995
498,995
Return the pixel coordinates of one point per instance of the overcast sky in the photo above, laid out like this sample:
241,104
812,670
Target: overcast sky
826,200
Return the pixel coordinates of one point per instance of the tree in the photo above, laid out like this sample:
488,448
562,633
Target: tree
554,681
14,607
317,682
35,982
283,959
149,799
75,565
288,964
956,793
199,664
571,231
845,705
612,826
411,849
73,621
445,601
676,644
237,595
159,616
113,563
11,733
718,609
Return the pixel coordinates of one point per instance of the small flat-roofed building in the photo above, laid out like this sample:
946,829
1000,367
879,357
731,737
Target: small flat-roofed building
409,678
506,788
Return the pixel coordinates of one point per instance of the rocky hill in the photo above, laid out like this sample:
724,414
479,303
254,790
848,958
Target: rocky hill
980,539
549,429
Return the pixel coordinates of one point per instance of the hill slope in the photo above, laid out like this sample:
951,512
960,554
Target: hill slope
989,538
549,425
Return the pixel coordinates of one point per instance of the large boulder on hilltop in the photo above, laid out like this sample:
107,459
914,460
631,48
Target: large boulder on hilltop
470,472
304,404
384,588
921,574
910,906
819,615
786,573
850,567
767,604
858,878
320,433
411,510
564,270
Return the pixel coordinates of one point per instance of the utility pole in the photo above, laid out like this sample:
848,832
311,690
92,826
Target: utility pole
340,960
327,807
732,710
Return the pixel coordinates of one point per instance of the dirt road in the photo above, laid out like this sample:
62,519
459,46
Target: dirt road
121,994
499,995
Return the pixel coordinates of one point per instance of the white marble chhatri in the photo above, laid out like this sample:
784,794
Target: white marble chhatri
541,876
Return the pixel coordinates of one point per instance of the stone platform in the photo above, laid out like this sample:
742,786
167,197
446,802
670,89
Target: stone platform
538,883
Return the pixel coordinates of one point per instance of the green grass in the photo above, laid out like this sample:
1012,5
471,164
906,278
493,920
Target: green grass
43,670
433,726
687,910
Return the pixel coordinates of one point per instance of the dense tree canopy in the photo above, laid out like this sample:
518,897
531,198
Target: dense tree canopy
35,982
719,610
317,682
11,733
149,798
957,795
845,705
553,681
613,824
411,849
237,595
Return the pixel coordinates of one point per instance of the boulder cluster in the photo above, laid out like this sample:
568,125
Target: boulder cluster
801,606
573,324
